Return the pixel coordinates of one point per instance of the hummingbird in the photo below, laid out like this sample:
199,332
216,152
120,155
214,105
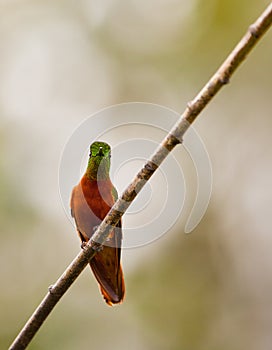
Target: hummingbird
91,200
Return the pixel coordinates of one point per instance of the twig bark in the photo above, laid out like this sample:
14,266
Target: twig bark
220,78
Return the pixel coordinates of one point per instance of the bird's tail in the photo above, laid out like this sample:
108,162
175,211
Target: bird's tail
107,269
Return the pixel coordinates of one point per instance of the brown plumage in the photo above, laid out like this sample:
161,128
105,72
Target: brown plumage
90,202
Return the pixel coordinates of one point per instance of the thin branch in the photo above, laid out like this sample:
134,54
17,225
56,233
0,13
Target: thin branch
220,78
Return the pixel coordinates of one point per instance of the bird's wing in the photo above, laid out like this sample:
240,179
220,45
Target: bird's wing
82,235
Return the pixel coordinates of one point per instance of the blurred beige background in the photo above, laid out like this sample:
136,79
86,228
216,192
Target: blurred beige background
60,62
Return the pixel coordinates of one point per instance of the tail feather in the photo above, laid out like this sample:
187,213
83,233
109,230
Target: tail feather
108,272
113,298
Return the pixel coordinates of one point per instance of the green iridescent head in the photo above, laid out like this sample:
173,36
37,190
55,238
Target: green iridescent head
99,161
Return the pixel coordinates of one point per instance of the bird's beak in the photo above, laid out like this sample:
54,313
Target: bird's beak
100,153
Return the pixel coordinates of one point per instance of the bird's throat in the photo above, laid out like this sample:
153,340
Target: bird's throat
98,169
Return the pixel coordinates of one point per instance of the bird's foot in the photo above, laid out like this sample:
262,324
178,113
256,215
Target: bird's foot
95,228
83,245
97,246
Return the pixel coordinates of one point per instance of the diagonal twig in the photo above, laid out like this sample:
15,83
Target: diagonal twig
218,80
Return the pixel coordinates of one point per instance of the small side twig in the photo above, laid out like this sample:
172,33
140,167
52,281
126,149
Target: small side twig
220,78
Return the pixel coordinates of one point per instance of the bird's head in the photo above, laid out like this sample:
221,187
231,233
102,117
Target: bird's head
99,161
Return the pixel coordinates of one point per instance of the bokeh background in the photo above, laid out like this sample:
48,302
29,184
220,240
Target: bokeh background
62,61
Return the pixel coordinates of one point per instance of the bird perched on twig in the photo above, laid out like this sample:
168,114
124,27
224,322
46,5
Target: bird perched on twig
91,200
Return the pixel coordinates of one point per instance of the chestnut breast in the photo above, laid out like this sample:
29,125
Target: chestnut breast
91,201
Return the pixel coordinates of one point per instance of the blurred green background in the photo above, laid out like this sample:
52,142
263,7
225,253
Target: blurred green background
62,61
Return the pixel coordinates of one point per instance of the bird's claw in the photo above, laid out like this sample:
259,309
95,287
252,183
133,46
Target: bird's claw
95,228
83,245
97,246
